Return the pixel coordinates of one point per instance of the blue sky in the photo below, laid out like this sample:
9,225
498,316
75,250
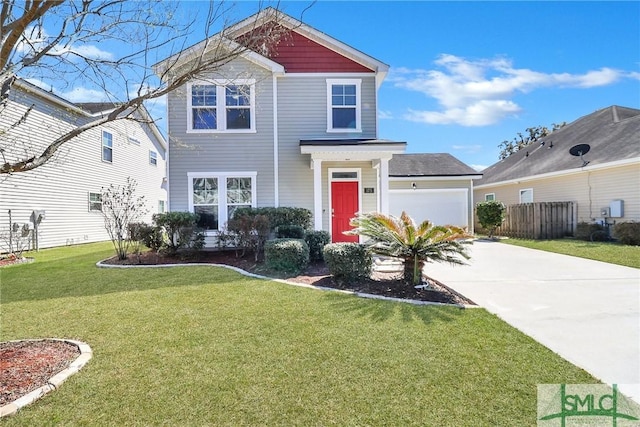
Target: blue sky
466,76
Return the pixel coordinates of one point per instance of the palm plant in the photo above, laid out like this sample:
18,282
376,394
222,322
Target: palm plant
414,244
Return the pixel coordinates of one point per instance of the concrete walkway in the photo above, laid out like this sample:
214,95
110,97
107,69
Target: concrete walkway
586,311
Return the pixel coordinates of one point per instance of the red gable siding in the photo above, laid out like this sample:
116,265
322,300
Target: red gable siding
299,54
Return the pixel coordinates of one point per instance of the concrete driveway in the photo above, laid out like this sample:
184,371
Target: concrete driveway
586,311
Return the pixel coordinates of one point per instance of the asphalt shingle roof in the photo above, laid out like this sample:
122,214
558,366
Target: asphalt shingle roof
428,164
612,133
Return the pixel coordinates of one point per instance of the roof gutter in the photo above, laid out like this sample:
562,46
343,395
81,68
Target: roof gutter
565,172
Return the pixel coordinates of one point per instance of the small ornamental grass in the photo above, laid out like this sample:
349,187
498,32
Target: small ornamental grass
286,255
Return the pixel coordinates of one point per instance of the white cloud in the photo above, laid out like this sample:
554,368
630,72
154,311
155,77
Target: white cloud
480,92
474,148
36,38
385,115
82,94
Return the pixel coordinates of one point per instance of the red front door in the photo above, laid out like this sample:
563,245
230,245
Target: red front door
344,205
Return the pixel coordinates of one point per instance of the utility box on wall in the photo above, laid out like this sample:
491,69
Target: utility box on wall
616,208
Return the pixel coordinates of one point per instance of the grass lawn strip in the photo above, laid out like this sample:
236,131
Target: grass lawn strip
208,346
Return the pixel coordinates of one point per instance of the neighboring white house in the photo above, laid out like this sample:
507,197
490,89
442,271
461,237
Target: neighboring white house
61,200
293,125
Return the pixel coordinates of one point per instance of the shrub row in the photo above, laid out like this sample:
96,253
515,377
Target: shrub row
287,255
627,233
279,216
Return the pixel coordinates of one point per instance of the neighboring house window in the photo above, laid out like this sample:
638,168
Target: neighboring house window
526,195
153,158
95,202
490,197
221,107
343,105
107,147
161,208
216,196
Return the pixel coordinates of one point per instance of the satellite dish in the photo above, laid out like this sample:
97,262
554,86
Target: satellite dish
579,150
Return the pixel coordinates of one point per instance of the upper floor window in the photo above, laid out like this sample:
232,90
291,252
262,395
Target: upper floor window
221,107
107,147
153,158
343,105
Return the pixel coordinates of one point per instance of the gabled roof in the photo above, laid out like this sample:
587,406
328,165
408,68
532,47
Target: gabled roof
231,35
429,164
613,135
88,109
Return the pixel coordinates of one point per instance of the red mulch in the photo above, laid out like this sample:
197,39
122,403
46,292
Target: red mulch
28,365
385,284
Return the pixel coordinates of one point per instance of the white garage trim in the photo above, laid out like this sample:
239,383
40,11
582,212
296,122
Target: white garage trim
442,206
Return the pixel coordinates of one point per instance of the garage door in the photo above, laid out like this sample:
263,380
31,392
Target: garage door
442,207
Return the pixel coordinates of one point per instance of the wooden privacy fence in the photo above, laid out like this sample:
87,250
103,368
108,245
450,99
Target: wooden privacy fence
542,220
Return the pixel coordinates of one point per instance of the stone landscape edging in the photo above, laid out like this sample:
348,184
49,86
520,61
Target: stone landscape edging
102,264
55,381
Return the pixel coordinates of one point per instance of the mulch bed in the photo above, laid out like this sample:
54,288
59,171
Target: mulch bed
28,365
317,274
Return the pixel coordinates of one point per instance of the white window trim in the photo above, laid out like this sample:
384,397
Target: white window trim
89,201
524,190
222,190
357,179
153,155
221,115
358,106
490,194
164,206
102,146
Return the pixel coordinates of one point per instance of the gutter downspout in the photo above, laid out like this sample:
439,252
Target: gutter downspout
276,160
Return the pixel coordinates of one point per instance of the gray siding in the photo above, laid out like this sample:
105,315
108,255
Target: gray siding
61,187
302,114
223,152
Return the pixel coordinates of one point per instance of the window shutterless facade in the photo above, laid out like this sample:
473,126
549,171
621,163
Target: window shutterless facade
153,158
343,105
489,197
216,196
95,202
218,106
107,147
526,195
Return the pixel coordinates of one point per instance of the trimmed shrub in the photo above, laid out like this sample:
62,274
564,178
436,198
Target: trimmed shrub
316,240
279,216
627,233
182,231
490,214
290,231
151,236
584,231
286,255
348,261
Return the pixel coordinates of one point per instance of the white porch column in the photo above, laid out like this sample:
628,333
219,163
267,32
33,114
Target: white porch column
384,186
317,193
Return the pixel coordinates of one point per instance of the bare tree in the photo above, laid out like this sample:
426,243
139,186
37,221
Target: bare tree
59,42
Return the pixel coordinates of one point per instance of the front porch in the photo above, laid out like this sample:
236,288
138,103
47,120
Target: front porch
349,176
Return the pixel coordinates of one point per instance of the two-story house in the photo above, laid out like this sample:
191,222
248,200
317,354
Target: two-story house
60,202
294,126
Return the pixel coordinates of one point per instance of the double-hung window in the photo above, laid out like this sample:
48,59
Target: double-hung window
526,195
216,196
107,147
221,106
95,202
343,105
153,158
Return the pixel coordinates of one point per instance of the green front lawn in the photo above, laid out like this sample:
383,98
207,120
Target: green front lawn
600,251
206,346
